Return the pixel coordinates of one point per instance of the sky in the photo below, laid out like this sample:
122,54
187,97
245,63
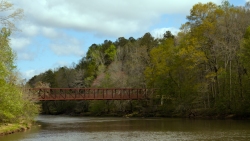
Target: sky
57,33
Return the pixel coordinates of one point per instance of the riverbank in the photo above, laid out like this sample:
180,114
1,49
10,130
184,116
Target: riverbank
6,129
191,115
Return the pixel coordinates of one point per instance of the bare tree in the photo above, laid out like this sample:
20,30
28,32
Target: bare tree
9,14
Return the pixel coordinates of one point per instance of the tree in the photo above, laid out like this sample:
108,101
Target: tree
10,104
15,105
161,58
10,15
49,77
121,41
243,107
110,54
7,57
217,31
168,34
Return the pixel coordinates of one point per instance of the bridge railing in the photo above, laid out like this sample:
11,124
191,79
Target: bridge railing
46,94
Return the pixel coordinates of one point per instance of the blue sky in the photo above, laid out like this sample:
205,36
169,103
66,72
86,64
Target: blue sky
57,33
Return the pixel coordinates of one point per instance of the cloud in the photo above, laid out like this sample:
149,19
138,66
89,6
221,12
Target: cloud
105,17
63,26
159,32
25,56
19,43
67,47
50,32
28,29
28,74
61,63
32,29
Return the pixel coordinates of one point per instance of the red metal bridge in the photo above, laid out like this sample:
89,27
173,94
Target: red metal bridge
60,94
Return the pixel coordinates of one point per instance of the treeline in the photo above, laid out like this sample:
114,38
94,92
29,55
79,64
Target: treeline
201,71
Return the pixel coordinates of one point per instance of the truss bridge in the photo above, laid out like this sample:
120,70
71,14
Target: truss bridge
61,94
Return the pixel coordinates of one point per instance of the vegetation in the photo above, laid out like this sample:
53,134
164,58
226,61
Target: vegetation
201,71
15,106
11,128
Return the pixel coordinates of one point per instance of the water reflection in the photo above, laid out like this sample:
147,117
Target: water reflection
63,128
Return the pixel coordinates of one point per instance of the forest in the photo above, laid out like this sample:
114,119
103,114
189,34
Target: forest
203,71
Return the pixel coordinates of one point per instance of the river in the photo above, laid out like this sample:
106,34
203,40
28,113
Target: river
65,128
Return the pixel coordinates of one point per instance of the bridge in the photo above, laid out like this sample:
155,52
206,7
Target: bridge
63,94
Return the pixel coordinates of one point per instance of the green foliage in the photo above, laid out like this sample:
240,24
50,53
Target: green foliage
30,109
49,77
161,59
110,53
13,105
168,35
245,49
200,68
6,56
10,102
58,107
97,107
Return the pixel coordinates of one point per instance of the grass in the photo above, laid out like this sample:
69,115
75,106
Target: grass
12,128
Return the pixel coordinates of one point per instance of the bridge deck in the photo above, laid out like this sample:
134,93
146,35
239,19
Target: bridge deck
56,94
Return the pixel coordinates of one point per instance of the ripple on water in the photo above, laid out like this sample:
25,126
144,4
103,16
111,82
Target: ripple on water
63,128
137,136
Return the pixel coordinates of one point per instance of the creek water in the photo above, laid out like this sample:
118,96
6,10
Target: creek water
65,128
